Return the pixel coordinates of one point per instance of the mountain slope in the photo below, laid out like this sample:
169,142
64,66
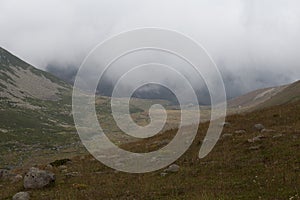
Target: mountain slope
20,81
267,97
35,112
290,93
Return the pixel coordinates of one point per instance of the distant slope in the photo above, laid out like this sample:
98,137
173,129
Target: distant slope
289,94
20,81
267,97
35,112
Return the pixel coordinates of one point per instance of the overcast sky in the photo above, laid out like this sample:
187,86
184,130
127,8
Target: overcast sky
255,43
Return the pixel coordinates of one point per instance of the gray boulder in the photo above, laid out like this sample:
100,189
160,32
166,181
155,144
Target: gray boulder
36,179
259,127
172,168
21,196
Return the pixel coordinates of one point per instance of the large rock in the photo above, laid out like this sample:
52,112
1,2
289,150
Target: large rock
21,196
36,178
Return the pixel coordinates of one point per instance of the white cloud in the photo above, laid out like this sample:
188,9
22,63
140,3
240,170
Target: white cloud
253,41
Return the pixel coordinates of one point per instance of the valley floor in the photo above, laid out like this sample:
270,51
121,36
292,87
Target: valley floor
244,164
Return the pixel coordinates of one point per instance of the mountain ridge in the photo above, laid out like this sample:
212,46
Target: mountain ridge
267,97
20,81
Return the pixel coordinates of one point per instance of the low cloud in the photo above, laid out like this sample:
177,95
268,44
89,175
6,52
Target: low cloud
254,43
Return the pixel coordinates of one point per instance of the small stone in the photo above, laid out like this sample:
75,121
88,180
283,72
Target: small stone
63,167
226,135
295,137
224,124
3,130
49,167
267,130
163,174
254,148
4,173
278,135
82,158
256,139
240,132
172,168
17,178
73,174
21,196
259,127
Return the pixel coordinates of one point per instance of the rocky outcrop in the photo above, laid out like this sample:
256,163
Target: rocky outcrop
36,179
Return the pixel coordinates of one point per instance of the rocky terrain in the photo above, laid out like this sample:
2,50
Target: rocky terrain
19,82
257,157
41,156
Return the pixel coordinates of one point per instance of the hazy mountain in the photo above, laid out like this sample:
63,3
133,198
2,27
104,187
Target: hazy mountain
150,91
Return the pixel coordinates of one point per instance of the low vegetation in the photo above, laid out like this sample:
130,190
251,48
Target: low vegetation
237,168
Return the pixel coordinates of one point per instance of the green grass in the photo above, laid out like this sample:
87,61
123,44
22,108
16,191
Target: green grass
230,171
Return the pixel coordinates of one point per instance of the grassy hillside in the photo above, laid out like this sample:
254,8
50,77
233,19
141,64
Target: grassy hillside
266,97
235,169
35,114
8,63
287,95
